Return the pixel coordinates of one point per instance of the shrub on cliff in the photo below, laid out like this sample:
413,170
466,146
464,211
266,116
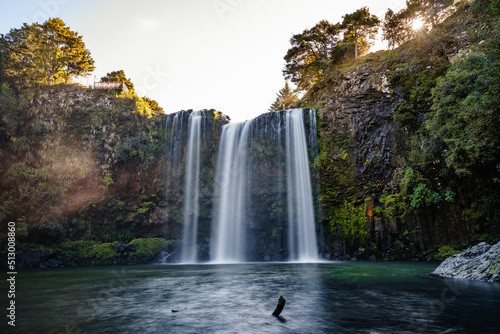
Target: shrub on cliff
96,253
91,252
146,249
348,222
466,113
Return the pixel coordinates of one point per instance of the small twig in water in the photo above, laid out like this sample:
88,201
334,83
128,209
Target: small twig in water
181,309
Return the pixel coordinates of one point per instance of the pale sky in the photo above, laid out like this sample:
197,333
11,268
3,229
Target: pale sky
192,54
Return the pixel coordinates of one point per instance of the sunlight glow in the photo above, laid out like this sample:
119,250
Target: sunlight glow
417,24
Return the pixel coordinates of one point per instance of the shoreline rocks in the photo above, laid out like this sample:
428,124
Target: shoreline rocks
480,263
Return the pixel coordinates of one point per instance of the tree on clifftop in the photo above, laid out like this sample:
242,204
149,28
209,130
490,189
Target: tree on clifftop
310,54
430,11
47,53
285,98
397,28
360,25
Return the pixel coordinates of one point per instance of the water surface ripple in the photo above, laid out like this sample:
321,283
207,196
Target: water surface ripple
239,298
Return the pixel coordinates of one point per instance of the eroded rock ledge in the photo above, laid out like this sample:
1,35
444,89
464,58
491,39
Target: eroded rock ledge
481,263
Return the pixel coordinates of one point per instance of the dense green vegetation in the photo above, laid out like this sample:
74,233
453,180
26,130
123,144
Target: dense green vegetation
466,111
91,252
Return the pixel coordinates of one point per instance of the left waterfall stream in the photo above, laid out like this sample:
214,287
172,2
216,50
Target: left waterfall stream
191,144
189,252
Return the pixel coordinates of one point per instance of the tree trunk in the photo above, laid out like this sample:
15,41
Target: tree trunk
355,45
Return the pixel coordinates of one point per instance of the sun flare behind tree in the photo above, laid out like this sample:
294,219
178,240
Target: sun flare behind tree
417,24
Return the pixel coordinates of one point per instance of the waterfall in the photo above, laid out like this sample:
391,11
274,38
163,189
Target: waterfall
191,146
301,223
263,200
192,189
231,194
174,136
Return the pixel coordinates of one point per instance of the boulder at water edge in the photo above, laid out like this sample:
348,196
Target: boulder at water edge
481,262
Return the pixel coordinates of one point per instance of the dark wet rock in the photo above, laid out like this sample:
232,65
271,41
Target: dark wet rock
31,259
481,263
52,263
30,256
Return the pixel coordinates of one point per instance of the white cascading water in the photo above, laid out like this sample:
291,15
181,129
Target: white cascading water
232,202
174,148
301,223
228,229
192,189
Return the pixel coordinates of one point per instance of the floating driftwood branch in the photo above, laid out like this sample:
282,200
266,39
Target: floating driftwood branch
280,306
181,309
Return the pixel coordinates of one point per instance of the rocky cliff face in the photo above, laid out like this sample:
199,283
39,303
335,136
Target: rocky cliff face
377,190
147,196
361,110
